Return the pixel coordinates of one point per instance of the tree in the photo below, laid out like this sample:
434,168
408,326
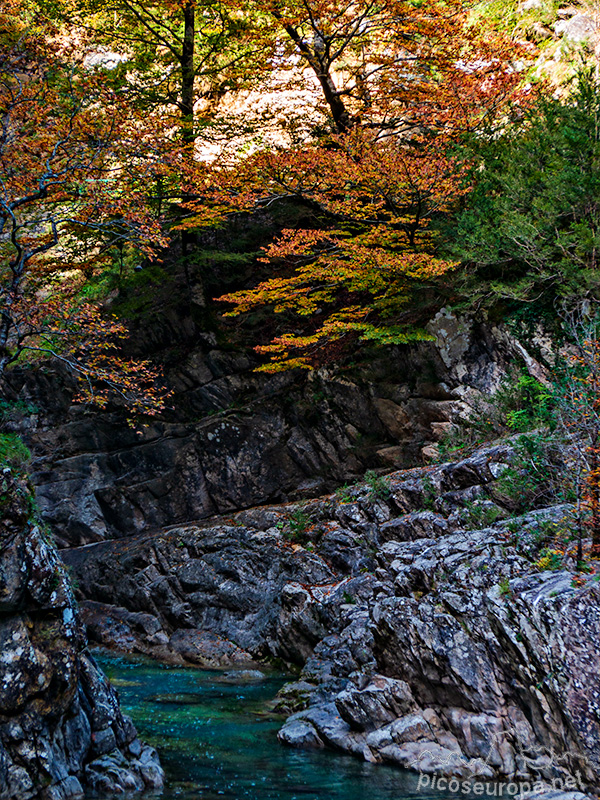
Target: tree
530,230
402,84
64,201
171,53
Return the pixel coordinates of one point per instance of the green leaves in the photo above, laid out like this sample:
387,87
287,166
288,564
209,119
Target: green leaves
531,227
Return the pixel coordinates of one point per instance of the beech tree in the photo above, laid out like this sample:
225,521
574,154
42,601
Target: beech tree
402,83
64,200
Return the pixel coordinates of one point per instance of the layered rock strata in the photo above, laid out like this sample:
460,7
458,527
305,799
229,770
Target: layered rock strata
236,438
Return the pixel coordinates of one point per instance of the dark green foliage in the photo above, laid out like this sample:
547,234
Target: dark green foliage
479,515
537,475
295,527
531,226
525,403
429,494
13,452
344,493
378,486
521,404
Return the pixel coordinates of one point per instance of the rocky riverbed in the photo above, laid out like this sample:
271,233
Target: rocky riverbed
426,631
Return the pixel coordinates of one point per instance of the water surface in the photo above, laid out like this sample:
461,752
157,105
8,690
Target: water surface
218,741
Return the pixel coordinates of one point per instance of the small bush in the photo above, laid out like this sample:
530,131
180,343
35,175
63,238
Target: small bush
13,452
521,404
429,494
378,487
295,527
550,560
344,494
537,474
481,515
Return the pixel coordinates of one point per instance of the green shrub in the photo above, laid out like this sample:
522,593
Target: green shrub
378,487
13,452
521,404
480,515
295,527
550,560
344,494
537,474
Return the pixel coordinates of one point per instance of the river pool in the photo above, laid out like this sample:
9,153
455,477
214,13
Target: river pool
218,741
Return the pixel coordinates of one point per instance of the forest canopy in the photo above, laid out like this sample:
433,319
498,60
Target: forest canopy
426,166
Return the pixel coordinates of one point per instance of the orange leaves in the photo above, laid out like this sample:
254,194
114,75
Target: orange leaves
356,273
402,82
65,197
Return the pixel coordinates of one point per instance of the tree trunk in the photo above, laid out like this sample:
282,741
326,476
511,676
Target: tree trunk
188,134
187,73
339,112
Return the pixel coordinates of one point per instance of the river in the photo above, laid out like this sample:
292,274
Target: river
218,740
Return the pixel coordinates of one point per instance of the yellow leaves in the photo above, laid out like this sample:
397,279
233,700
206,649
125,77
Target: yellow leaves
356,273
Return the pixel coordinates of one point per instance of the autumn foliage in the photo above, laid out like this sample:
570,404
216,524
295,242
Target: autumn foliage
65,200
402,86
100,161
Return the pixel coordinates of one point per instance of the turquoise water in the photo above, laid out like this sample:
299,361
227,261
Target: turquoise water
218,741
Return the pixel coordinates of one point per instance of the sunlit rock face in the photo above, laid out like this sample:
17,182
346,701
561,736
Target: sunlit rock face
61,728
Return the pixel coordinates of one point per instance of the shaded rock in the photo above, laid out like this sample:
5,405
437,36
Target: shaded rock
375,705
300,733
208,650
552,794
244,676
234,438
61,726
428,758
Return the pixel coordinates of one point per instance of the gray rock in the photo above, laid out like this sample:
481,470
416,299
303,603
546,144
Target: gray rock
426,757
452,649
58,711
579,28
231,441
207,649
300,733
378,703
551,794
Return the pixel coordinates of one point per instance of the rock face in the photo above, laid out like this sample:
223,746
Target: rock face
427,636
238,438
61,728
